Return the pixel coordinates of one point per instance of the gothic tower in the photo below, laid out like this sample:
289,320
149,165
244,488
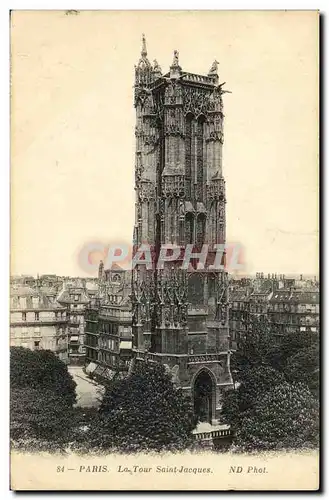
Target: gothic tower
180,316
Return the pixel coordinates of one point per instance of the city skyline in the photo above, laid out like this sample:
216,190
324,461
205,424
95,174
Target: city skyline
69,137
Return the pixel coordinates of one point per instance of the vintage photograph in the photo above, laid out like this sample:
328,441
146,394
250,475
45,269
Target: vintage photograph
164,288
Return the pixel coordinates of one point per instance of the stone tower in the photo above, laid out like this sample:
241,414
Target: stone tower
180,317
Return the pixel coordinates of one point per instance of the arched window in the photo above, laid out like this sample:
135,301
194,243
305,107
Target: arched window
195,289
199,152
189,228
188,156
200,230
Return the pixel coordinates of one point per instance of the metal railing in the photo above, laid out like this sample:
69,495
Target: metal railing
219,434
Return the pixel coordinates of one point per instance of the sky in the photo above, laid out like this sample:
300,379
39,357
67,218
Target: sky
72,130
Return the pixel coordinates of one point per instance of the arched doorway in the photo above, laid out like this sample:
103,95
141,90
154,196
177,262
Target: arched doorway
203,394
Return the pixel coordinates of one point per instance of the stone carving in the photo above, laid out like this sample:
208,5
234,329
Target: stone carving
148,106
215,104
214,68
173,123
175,62
173,186
198,101
151,140
173,129
146,191
171,299
159,107
139,132
216,189
173,94
167,317
156,69
204,358
138,168
215,136
141,96
152,120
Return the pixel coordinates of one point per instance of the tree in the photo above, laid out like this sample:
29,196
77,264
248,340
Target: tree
287,417
40,418
304,367
256,348
144,411
41,370
260,346
255,382
294,342
263,364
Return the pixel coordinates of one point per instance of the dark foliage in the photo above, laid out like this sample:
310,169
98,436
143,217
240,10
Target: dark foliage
41,370
255,382
261,348
273,405
286,417
304,367
144,412
40,414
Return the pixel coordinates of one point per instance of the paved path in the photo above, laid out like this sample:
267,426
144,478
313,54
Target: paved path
88,392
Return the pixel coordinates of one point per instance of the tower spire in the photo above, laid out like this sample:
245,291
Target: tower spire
143,70
144,51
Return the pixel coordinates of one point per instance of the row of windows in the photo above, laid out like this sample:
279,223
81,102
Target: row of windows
294,308
36,316
108,358
36,344
110,344
24,330
58,315
281,329
275,307
112,312
91,341
297,320
110,328
91,327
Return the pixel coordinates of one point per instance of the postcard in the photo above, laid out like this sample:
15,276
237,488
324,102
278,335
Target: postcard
164,290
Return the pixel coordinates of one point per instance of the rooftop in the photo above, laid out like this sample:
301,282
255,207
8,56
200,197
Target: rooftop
24,297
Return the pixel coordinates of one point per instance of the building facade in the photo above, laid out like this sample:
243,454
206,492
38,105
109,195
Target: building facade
294,311
108,326
38,322
75,299
288,304
180,318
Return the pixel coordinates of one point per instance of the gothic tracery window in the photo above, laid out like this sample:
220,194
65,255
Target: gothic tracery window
200,180
189,223
188,155
200,230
